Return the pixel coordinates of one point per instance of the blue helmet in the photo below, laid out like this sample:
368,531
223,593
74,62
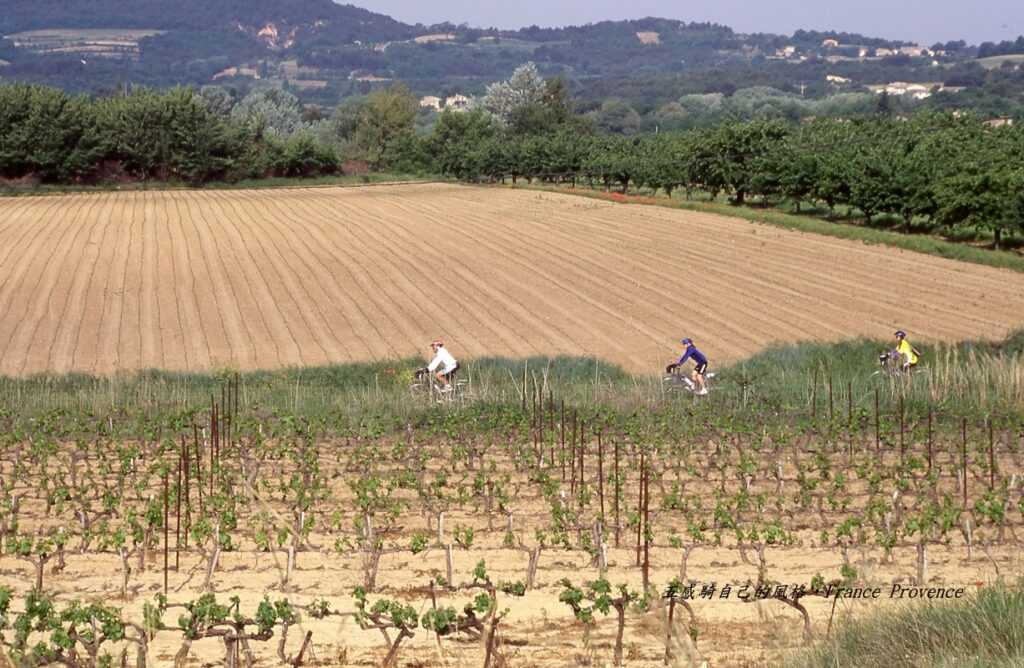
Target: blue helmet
686,342
900,334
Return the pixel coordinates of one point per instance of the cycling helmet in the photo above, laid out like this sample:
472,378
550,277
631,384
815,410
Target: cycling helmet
437,342
900,334
686,342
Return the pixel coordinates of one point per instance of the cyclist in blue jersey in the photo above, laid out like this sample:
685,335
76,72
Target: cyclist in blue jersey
700,361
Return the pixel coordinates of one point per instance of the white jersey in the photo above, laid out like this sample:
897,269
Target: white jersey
443,359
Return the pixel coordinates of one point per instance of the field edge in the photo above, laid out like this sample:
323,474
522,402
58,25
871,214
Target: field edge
924,245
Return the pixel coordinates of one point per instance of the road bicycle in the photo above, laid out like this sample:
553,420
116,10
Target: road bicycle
891,366
426,387
677,381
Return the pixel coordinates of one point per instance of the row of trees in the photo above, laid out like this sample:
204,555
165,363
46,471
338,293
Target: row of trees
931,170
214,134
50,135
192,136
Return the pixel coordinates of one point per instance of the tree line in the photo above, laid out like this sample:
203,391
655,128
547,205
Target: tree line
929,171
173,135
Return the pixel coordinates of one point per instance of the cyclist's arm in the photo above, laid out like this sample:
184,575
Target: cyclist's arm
434,363
687,355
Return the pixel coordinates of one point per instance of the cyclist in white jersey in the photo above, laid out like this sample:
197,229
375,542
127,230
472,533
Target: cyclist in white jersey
443,366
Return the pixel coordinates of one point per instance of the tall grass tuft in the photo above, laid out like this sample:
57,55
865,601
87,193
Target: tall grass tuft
983,629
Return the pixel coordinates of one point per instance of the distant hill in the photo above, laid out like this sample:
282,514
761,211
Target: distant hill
324,51
307,18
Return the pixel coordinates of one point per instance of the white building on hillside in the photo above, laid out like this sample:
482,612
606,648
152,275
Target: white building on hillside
915,51
457,103
431,102
915,90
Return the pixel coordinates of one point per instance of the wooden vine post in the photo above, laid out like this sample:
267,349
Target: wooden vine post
831,408
647,525
600,475
167,525
583,436
177,511
561,440
963,451
929,440
902,430
617,492
991,457
878,433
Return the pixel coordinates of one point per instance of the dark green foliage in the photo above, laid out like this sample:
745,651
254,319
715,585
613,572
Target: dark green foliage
165,135
170,136
302,155
1003,48
46,132
456,142
730,158
384,123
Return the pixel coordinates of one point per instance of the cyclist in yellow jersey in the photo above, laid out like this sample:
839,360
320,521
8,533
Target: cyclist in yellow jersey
907,352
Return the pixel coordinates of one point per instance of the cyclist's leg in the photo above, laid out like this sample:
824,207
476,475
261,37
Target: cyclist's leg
698,376
448,378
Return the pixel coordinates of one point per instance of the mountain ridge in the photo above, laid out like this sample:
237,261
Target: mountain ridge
325,51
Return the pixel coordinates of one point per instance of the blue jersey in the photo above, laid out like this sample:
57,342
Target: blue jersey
696,355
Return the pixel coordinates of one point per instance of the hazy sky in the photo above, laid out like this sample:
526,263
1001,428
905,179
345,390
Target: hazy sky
925,21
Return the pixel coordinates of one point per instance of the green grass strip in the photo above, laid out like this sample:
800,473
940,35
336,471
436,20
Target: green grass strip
969,378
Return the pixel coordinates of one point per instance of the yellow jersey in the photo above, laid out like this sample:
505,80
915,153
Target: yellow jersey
904,348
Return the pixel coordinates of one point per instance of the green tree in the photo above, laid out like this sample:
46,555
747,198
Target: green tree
387,116
218,99
45,132
507,100
613,159
455,140
167,135
617,117
552,111
728,155
272,111
663,162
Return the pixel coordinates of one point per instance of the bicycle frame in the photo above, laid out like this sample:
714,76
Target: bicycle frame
428,387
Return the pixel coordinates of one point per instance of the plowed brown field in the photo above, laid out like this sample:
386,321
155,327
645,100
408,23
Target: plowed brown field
268,278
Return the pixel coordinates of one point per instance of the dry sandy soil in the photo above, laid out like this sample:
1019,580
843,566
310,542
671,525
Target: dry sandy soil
268,278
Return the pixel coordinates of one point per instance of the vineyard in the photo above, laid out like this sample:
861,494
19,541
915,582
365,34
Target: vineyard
522,533
201,280
271,494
